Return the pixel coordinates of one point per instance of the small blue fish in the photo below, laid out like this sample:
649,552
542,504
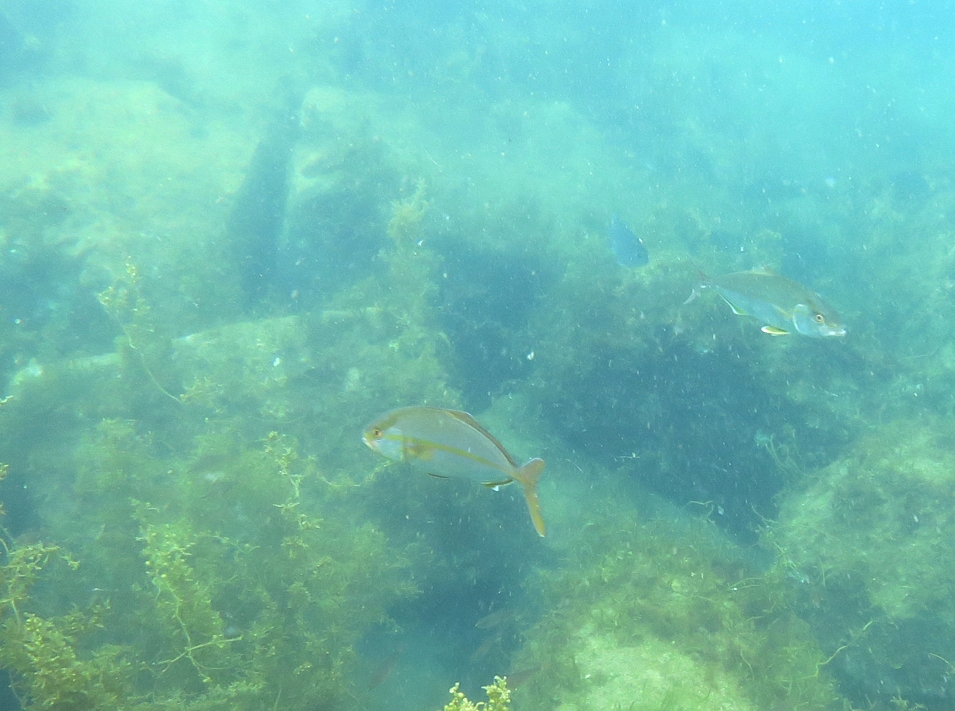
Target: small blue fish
627,247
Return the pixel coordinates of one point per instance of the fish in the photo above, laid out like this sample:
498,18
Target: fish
520,677
496,619
451,443
384,668
783,306
629,249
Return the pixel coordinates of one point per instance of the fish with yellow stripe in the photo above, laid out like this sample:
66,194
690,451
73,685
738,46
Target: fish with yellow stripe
783,306
451,443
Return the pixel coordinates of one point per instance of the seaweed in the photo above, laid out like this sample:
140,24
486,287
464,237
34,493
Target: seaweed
666,615
498,698
859,545
51,670
243,612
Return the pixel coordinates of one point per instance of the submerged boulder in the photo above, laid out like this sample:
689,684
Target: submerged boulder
867,545
668,613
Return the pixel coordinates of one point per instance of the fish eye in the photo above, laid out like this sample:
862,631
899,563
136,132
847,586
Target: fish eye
376,433
820,318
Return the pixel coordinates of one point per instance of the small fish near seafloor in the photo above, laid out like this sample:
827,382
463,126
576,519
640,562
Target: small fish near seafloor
451,443
629,249
784,306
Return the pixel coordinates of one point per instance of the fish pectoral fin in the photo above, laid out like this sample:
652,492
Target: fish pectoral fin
734,307
773,331
495,485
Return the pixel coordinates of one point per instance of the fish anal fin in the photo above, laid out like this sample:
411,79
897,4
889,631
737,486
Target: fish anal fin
773,331
495,485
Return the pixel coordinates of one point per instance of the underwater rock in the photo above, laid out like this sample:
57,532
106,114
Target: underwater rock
257,221
650,674
667,614
865,544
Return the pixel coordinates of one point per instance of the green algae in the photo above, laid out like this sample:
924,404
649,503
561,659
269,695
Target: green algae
144,345
217,612
220,567
862,545
639,376
242,558
227,580
62,677
240,570
498,698
662,615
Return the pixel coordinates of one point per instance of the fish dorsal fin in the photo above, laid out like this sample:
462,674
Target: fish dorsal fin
773,331
471,422
765,270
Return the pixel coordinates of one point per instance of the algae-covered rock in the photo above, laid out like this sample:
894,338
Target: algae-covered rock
651,674
867,544
668,615
679,395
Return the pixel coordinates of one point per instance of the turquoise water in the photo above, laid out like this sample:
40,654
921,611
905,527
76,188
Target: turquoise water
233,234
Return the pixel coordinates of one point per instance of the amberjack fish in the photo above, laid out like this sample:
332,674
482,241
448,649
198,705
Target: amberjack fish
451,443
783,306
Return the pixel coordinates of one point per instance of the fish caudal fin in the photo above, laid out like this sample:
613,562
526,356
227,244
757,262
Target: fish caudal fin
704,283
527,476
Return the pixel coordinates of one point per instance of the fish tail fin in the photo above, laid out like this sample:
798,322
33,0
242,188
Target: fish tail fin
528,476
695,294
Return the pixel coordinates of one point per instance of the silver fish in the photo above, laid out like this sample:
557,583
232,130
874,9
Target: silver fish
452,443
782,305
